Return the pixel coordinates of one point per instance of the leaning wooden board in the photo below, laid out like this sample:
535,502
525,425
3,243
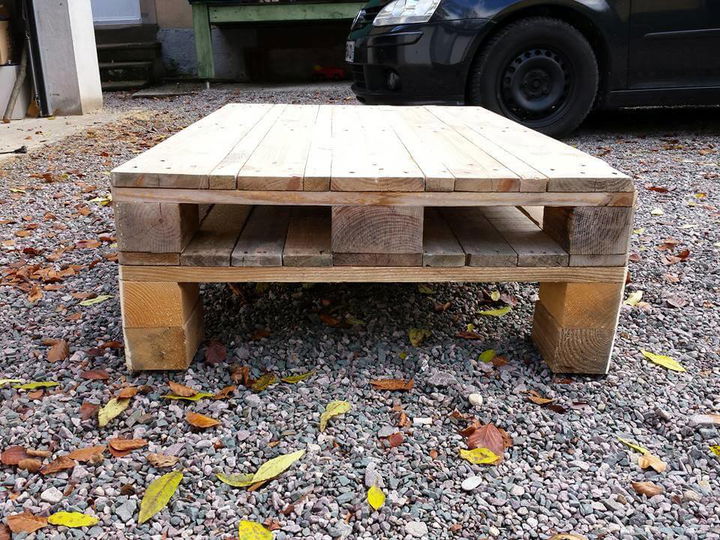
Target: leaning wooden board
288,193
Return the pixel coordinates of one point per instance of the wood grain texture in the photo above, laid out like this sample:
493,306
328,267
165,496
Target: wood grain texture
599,260
583,305
154,227
308,238
376,198
318,169
440,246
157,304
263,238
571,350
213,243
377,229
377,259
479,239
590,231
286,274
149,259
164,348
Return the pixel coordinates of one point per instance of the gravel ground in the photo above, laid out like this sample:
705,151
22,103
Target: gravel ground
566,470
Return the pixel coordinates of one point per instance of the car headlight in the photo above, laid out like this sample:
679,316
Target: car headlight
406,11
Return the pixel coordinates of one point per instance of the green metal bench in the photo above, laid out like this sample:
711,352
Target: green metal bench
219,12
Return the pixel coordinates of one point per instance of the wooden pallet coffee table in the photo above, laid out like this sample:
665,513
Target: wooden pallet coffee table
305,193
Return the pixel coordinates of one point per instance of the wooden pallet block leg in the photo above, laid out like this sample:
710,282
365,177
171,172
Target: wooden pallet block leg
155,227
162,324
574,325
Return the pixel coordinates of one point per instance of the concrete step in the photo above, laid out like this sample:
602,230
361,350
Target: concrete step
126,71
128,52
114,86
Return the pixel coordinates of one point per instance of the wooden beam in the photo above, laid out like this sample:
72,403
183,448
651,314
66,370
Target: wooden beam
203,41
590,231
284,12
154,227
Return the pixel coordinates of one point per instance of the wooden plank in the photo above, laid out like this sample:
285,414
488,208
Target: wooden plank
535,213
150,259
157,304
154,227
187,159
203,41
599,260
308,238
367,154
377,259
214,241
566,168
583,305
530,179
278,162
318,169
482,243
405,123
286,274
164,348
261,241
440,247
472,167
533,246
384,198
284,12
377,229
590,231
226,171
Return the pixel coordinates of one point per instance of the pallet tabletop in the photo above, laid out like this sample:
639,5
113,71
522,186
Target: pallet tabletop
350,148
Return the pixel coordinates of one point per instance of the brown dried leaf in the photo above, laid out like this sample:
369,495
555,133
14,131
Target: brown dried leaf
647,488
536,398
396,439
393,384
5,532
225,392
26,523
181,390
59,351
95,375
650,460
127,392
60,464
86,454
241,375
433,454
467,334
88,410
259,334
123,445
439,308
487,436
329,320
30,464
162,460
200,420
12,455
39,453
455,527
215,353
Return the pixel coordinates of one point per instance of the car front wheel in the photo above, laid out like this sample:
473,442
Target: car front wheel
540,72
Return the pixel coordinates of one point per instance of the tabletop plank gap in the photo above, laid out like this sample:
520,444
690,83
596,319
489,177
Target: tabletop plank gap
262,240
308,237
318,169
440,247
214,241
480,240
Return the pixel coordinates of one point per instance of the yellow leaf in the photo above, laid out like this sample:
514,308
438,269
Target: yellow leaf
633,298
96,300
634,446
487,356
72,519
480,456
34,385
639,231
567,536
196,397
8,381
333,408
375,497
424,289
276,466
403,355
656,212
715,450
292,379
236,480
104,201
249,530
664,361
470,327
495,296
418,335
496,312
112,409
158,494
263,382
649,460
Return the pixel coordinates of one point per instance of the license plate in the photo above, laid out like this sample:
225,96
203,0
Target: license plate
349,51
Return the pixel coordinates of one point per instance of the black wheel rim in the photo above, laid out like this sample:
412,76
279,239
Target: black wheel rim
535,86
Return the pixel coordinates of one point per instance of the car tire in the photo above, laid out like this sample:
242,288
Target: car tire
540,72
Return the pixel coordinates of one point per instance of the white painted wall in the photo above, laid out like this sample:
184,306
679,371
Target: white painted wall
66,39
116,12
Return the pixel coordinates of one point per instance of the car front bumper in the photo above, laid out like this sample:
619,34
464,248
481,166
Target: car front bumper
415,63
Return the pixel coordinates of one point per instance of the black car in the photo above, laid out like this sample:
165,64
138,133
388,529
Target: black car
543,63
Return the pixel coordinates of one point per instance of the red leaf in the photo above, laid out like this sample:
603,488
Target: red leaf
396,439
60,464
12,455
59,351
393,384
465,334
95,375
88,410
215,353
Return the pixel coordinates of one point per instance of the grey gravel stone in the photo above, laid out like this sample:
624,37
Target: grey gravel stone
471,483
416,529
52,495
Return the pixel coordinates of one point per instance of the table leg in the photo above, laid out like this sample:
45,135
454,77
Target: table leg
203,41
162,324
574,325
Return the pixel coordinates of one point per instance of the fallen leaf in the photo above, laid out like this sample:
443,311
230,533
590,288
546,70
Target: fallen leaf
36,385
236,480
487,356
39,453
86,454
433,454
215,353
647,488
72,519
334,408
195,397
393,384
439,307
395,440
123,445
538,399
225,392
95,375
664,361
496,312
162,460
30,464
465,334
260,333
488,437
249,530
5,532
480,456
26,523
200,420
3,382
649,460
181,390
111,410
267,471
12,455
424,289
263,382
633,298
59,351
292,379
567,536
715,449
494,296
375,497
418,335
657,212
88,410
158,494
61,463
96,300
634,446
127,392
241,375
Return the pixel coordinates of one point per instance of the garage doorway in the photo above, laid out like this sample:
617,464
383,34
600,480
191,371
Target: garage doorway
116,12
